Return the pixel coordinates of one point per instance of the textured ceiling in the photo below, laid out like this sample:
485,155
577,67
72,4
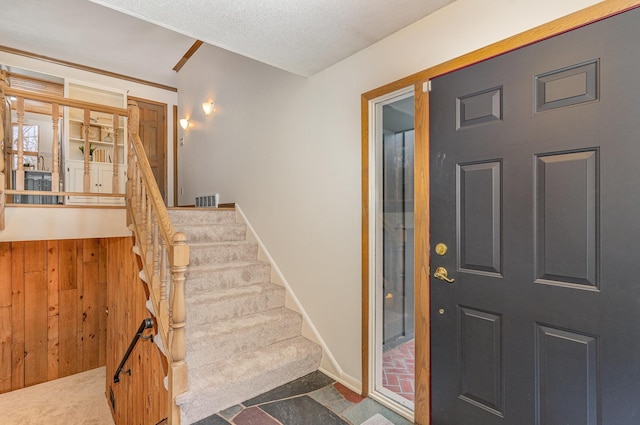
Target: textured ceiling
83,32
300,36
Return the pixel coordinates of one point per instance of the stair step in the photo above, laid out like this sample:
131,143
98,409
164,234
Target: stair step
220,340
207,307
201,254
199,233
201,216
206,278
217,386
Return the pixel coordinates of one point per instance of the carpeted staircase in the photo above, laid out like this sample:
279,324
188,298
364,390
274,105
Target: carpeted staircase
241,340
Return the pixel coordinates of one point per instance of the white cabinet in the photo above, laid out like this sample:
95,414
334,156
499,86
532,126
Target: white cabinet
106,141
101,177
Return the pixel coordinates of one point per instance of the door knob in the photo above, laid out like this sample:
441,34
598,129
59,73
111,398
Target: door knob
441,273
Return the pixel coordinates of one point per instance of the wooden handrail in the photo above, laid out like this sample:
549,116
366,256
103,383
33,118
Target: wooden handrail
160,247
64,101
50,193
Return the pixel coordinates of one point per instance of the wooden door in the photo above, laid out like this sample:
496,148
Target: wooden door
534,190
153,133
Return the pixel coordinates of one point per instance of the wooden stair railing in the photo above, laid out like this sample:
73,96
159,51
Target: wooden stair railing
160,248
164,252
55,103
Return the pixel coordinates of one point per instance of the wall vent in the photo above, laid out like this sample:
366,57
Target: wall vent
208,201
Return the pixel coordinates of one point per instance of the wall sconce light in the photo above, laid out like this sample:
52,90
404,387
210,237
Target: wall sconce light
207,107
184,123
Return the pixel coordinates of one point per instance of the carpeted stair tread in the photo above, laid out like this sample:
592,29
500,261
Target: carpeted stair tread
217,386
207,307
221,276
222,252
212,342
201,216
203,232
240,339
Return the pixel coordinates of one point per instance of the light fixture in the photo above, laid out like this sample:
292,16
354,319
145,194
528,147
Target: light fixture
184,123
207,107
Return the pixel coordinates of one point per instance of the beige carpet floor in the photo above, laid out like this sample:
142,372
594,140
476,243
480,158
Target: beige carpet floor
75,400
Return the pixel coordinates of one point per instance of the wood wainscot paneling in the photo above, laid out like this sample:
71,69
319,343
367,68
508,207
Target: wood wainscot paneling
54,300
52,310
140,397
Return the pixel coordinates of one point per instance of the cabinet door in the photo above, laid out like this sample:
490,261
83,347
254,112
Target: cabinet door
75,183
105,183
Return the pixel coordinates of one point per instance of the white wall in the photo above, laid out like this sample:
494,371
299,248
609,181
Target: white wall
134,89
46,223
288,149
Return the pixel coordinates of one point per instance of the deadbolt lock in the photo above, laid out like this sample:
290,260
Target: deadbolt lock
441,249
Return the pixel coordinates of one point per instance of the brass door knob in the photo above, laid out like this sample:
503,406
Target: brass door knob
441,273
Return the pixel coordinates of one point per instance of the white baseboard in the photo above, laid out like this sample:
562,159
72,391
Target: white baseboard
312,334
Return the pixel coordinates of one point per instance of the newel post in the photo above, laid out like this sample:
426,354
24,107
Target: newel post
179,260
134,125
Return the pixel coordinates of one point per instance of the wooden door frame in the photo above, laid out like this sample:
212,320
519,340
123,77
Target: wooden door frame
166,139
419,80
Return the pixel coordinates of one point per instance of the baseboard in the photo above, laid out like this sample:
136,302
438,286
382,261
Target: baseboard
313,334
347,380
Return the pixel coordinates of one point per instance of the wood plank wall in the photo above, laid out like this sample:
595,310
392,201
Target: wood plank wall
52,310
140,398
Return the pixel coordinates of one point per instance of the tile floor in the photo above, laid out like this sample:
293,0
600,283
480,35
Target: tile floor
314,399
398,369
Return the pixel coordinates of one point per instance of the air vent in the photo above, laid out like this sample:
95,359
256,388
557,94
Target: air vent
207,201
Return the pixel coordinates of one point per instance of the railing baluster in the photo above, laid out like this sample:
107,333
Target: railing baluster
149,241
86,180
143,212
115,157
20,169
55,171
156,258
163,273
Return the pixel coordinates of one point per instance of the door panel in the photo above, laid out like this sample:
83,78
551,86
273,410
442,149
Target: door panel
566,218
153,134
567,365
481,359
479,190
534,189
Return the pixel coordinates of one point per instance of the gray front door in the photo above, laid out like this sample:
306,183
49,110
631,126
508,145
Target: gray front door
535,191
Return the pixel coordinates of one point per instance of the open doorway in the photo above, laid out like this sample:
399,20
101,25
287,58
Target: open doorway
392,253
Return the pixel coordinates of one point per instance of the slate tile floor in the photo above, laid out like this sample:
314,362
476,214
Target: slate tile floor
314,399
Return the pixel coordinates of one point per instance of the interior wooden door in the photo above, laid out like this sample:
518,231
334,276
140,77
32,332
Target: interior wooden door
535,310
153,133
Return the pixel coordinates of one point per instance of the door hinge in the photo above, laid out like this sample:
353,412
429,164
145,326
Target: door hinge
426,86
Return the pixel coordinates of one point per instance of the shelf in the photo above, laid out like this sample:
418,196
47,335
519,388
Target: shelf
97,124
94,142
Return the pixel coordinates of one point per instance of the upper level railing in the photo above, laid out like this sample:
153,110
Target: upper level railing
160,248
12,99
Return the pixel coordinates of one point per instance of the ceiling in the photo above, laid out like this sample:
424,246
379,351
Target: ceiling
145,39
